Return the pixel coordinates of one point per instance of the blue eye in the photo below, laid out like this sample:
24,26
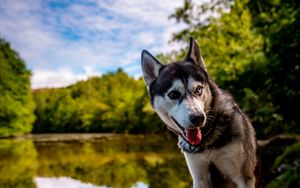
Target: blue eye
198,90
174,95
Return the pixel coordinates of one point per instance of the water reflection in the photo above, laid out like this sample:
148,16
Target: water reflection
63,182
125,162
17,164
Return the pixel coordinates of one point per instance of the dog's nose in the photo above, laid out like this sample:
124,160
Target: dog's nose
197,120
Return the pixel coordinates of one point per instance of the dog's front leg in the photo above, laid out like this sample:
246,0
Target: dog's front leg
199,168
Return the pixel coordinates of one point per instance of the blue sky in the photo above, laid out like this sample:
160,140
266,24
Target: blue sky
63,41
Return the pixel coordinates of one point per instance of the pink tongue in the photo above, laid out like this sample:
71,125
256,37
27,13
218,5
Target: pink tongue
193,135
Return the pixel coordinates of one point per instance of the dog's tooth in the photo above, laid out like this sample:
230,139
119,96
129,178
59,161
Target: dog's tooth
192,148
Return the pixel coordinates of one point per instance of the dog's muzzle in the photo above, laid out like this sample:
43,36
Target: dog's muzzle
193,134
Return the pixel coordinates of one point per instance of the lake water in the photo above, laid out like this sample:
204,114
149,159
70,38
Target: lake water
117,161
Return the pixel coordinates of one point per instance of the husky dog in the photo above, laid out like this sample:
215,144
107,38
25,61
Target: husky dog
213,133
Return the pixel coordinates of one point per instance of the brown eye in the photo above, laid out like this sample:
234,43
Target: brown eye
198,90
174,94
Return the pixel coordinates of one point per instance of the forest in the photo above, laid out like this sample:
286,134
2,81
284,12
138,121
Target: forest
114,102
251,49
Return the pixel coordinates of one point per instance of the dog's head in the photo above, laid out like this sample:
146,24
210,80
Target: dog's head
180,92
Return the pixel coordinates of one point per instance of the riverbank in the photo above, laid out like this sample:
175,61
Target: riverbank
56,137
63,137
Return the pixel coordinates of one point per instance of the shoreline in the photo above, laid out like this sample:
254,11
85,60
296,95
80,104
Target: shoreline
66,137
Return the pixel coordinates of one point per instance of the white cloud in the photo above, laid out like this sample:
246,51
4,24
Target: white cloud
145,38
153,12
59,43
59,78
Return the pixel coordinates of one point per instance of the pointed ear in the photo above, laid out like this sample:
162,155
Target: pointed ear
150,67
194,54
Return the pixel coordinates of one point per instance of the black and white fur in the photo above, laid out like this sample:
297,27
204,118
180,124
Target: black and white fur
184,96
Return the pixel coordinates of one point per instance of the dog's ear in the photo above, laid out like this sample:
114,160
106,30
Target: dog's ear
150,66
194,55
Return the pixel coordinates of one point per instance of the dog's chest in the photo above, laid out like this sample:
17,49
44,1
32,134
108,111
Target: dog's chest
196,158
220,156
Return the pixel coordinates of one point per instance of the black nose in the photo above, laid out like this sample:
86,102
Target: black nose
197,120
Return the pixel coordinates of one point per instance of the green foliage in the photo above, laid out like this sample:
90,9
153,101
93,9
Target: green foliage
279,23
114,102
287,166
16,104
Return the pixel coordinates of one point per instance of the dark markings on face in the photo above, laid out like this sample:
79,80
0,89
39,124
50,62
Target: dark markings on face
181,99
173,71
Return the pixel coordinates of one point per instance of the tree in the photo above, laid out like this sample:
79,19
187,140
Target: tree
16,104
279,23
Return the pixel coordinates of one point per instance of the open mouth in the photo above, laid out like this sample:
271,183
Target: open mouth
193,135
